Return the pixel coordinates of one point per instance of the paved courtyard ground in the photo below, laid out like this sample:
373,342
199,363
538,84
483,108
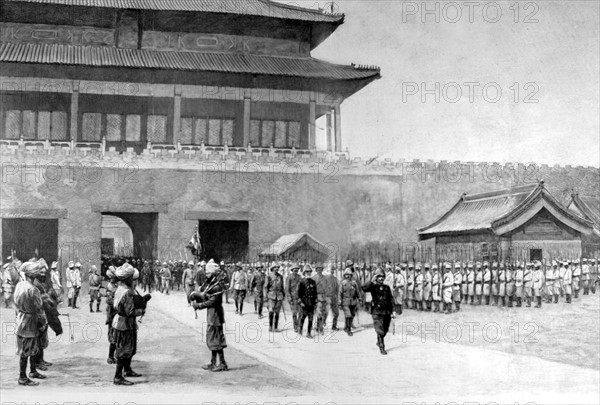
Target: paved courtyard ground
480,354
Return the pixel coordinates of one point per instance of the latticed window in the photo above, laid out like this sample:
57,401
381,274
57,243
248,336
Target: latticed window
210,131
282,134
35,125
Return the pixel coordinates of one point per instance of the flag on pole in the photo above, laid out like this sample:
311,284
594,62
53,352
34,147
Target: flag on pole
195,244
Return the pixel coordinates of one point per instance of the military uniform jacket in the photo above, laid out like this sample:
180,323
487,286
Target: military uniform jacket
410,280
274,287
527,278
258,281
418,282
487,277
448,280
349,292
307,293
567,277
215,315
73,278
471,277
577,272
585,272
549,274
457,280
383,303
519,278
538,278
334,286
239,280
291,286
322,286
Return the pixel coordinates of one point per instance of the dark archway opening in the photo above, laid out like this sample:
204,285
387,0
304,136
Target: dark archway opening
28,238
224,240
144,227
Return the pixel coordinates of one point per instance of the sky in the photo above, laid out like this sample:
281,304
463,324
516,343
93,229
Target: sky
500,81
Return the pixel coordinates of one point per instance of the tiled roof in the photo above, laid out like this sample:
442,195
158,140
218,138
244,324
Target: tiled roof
588,206
244,7
293,241
478,211
186,61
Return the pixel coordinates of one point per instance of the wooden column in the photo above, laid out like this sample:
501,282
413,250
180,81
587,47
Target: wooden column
312,129
338,129
74,111
329,131
246,122
176,114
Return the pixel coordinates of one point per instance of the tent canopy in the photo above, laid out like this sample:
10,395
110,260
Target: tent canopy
298,246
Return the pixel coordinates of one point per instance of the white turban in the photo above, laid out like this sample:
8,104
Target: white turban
126,271
211,266
31,269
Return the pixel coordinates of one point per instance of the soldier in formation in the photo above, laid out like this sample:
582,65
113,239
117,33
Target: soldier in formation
257,285
349,298
239,286
73,283
274,291
291,290
307,300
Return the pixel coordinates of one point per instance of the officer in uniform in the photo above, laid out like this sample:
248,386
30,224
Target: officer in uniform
487,278
519,284
502,283
188,280
257,285
349,297
557,281
495,282
447,287
333,292
165,278
435,288
382,310
465,285
418,290
510,284
585,277
550,282
55,280
410,286
239,286
594,276
561,276
568,281
478,282
471,282
576,269
538,282
457,284
291,290
427,297
95,281
307,300
73,283
275,293
399,287
322,287
528,283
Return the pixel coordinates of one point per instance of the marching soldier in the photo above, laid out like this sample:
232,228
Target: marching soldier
510,284
410,283
435,288
291,290
447,287
557,281
73,283
487,278
519,284
188,281
495,283
585,277
307,300
257,285
333,291
567,282
465,285
210,296
478,282
95,281
274,291
239,286
382,310
457,284
550,282
349,297
399,287
418,290
55,280
527,283
427,279
576,269
165,278
471,282
321,298
561,277
502,283
594,276
538,282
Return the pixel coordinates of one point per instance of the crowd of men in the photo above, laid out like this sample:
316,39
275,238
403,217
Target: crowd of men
311,291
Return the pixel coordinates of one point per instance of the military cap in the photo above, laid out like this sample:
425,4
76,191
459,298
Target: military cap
349,263
502,265
222,263
528,264
538,264
397,268
457,265
379,273
478,265
486,264
53,265
447,265
347,272
239,265
307,268
319,266
202,263
494,265
411,265
294,266
71,264
404,265
388,266
274,266
576,261
470,265
418,266
434,266
77,264
191,263
427,266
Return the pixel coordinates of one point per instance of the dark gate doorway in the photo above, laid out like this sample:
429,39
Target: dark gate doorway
535,255
144,230
29,238
224,240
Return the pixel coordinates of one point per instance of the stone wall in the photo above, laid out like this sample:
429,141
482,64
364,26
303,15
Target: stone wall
347,203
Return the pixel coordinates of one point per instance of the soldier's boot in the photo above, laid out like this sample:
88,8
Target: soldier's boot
528,300
335,322
503,300
276,323
23,380
321,327
556,298
348,327
271,316
437,307
448,308
568,298
91,305
309,329
70,302
213,361
111,354
472,300
519,302
295,320
576,294
457,303
510,302
539,302
222,364
487,300
593,288
381,344
98,307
